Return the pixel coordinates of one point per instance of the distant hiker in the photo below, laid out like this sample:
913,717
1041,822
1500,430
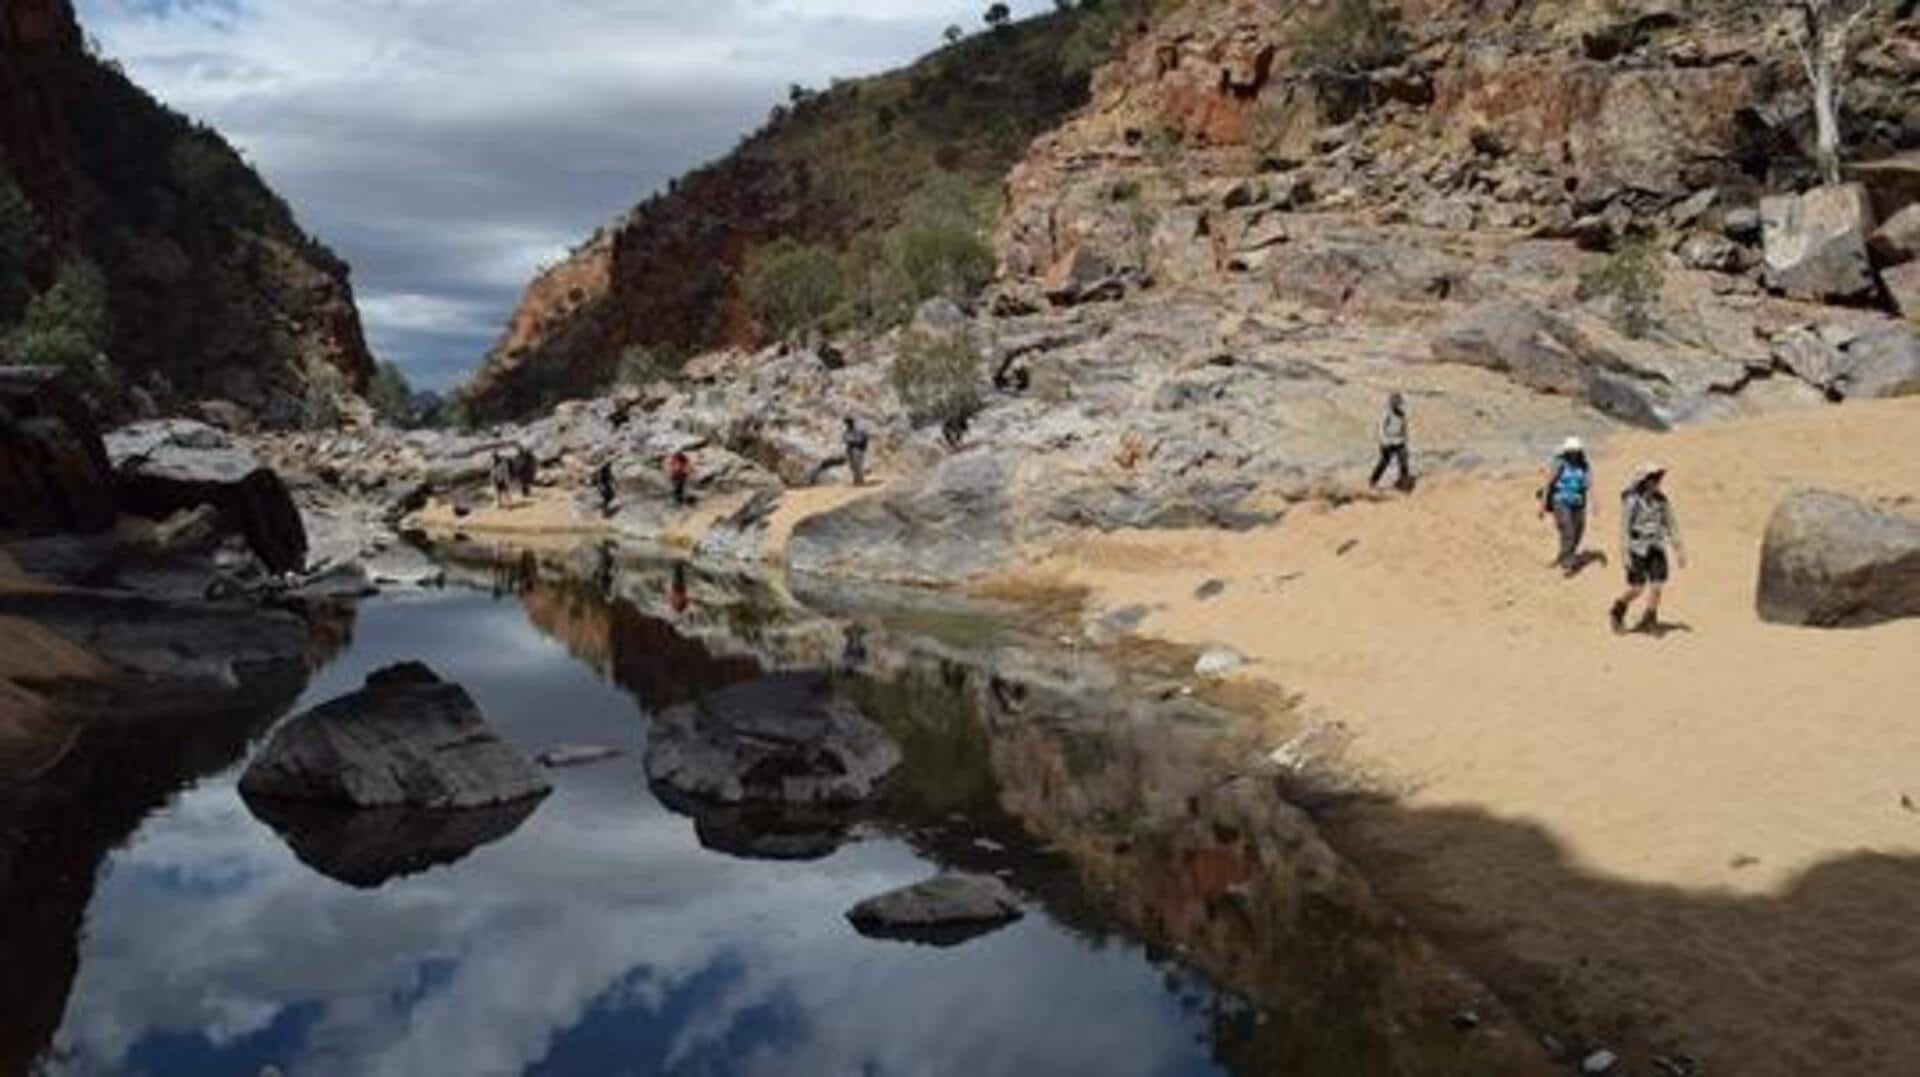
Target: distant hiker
1649,533
524,467
677,589
502,479
679,468
603,482
856,440
1565,496
1393,443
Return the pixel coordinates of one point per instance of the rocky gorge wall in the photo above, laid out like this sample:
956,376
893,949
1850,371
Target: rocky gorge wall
215,290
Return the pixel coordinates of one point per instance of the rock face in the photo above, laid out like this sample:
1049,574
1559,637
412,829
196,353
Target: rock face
215,288
665,276
53,468
405,739
785,739
1816,243
947,908
166,467
1830,561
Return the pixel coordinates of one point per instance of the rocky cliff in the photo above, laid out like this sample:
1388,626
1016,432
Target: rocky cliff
214,289
833,165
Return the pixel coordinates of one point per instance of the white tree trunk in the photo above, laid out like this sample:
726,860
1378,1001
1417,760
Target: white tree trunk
1826,115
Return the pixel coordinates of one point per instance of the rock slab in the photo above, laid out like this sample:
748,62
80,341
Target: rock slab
784,739
1816,243
163,467
405,739
1831,561
53,469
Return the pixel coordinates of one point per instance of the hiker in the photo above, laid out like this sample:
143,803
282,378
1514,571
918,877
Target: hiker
1565,496
856,440
679,467
603,482
1393,443
1649,533
502,479
524,467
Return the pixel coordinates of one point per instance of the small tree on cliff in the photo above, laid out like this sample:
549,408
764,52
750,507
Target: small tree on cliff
998,16
1823,31
69,326
938,377
391,396
793,286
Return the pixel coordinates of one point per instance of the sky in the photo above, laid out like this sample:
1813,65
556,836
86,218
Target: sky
448,148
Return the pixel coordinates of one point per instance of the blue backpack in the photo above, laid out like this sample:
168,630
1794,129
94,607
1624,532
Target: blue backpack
1569,486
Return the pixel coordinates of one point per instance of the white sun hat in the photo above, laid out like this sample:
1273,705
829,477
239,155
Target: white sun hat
1572,444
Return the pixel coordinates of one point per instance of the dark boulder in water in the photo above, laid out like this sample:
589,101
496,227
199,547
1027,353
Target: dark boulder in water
406,739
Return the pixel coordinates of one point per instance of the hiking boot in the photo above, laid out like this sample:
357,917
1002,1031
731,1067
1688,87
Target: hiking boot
1617,616
1649,623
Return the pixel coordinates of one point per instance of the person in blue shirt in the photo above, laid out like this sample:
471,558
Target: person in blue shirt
1569,479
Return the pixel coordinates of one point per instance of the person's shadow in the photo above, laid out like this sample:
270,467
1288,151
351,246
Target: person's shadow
1662,629
1583,559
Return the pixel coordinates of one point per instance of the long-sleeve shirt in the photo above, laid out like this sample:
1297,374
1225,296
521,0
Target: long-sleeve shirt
1647,522
1393,427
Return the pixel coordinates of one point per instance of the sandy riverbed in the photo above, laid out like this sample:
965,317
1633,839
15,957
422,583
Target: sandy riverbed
1699,833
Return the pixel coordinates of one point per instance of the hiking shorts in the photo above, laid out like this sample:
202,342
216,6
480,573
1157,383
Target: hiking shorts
1646,568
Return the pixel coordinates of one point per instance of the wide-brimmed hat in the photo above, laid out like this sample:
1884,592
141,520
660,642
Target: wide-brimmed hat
1649,470
1572,444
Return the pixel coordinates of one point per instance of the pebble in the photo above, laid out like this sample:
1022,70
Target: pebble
1599,1062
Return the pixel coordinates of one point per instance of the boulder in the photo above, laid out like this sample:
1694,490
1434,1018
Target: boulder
1812,358
1831,561
163,467
1816,243
54,474
368,848
946,909
1903,287
1535,348
406,738
783,739
952,525
1897,241
1883,364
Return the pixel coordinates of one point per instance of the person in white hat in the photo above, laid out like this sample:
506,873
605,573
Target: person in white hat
1650,537
1569,478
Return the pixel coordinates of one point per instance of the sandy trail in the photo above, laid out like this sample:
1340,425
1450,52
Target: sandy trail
1726,758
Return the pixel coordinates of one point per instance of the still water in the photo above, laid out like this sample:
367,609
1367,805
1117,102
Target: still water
601,933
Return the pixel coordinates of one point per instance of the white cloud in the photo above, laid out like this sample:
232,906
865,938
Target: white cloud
444,147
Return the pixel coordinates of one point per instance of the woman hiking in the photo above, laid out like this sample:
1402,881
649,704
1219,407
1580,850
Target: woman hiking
1393,444
1569,478
1650,538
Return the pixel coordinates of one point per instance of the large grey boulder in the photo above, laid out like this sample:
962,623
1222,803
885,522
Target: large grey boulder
1536,349
165,466
947,908
784,739
1884,364
954,524
405,739
1831,561
1816,243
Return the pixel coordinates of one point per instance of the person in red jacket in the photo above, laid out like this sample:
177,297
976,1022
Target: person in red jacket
679,468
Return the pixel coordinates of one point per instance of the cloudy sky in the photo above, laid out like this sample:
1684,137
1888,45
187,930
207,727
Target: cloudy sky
446,148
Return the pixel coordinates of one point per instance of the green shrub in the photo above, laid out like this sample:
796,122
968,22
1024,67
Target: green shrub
638,366
792,287
1632,277
1349,38
391,396
320,403
938,377
68,326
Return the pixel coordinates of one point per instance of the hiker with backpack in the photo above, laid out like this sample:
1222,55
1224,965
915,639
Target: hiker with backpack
1650,538
856,443
1569,479
1393,444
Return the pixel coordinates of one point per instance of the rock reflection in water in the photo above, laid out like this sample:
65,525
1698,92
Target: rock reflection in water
1030,762
368,847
